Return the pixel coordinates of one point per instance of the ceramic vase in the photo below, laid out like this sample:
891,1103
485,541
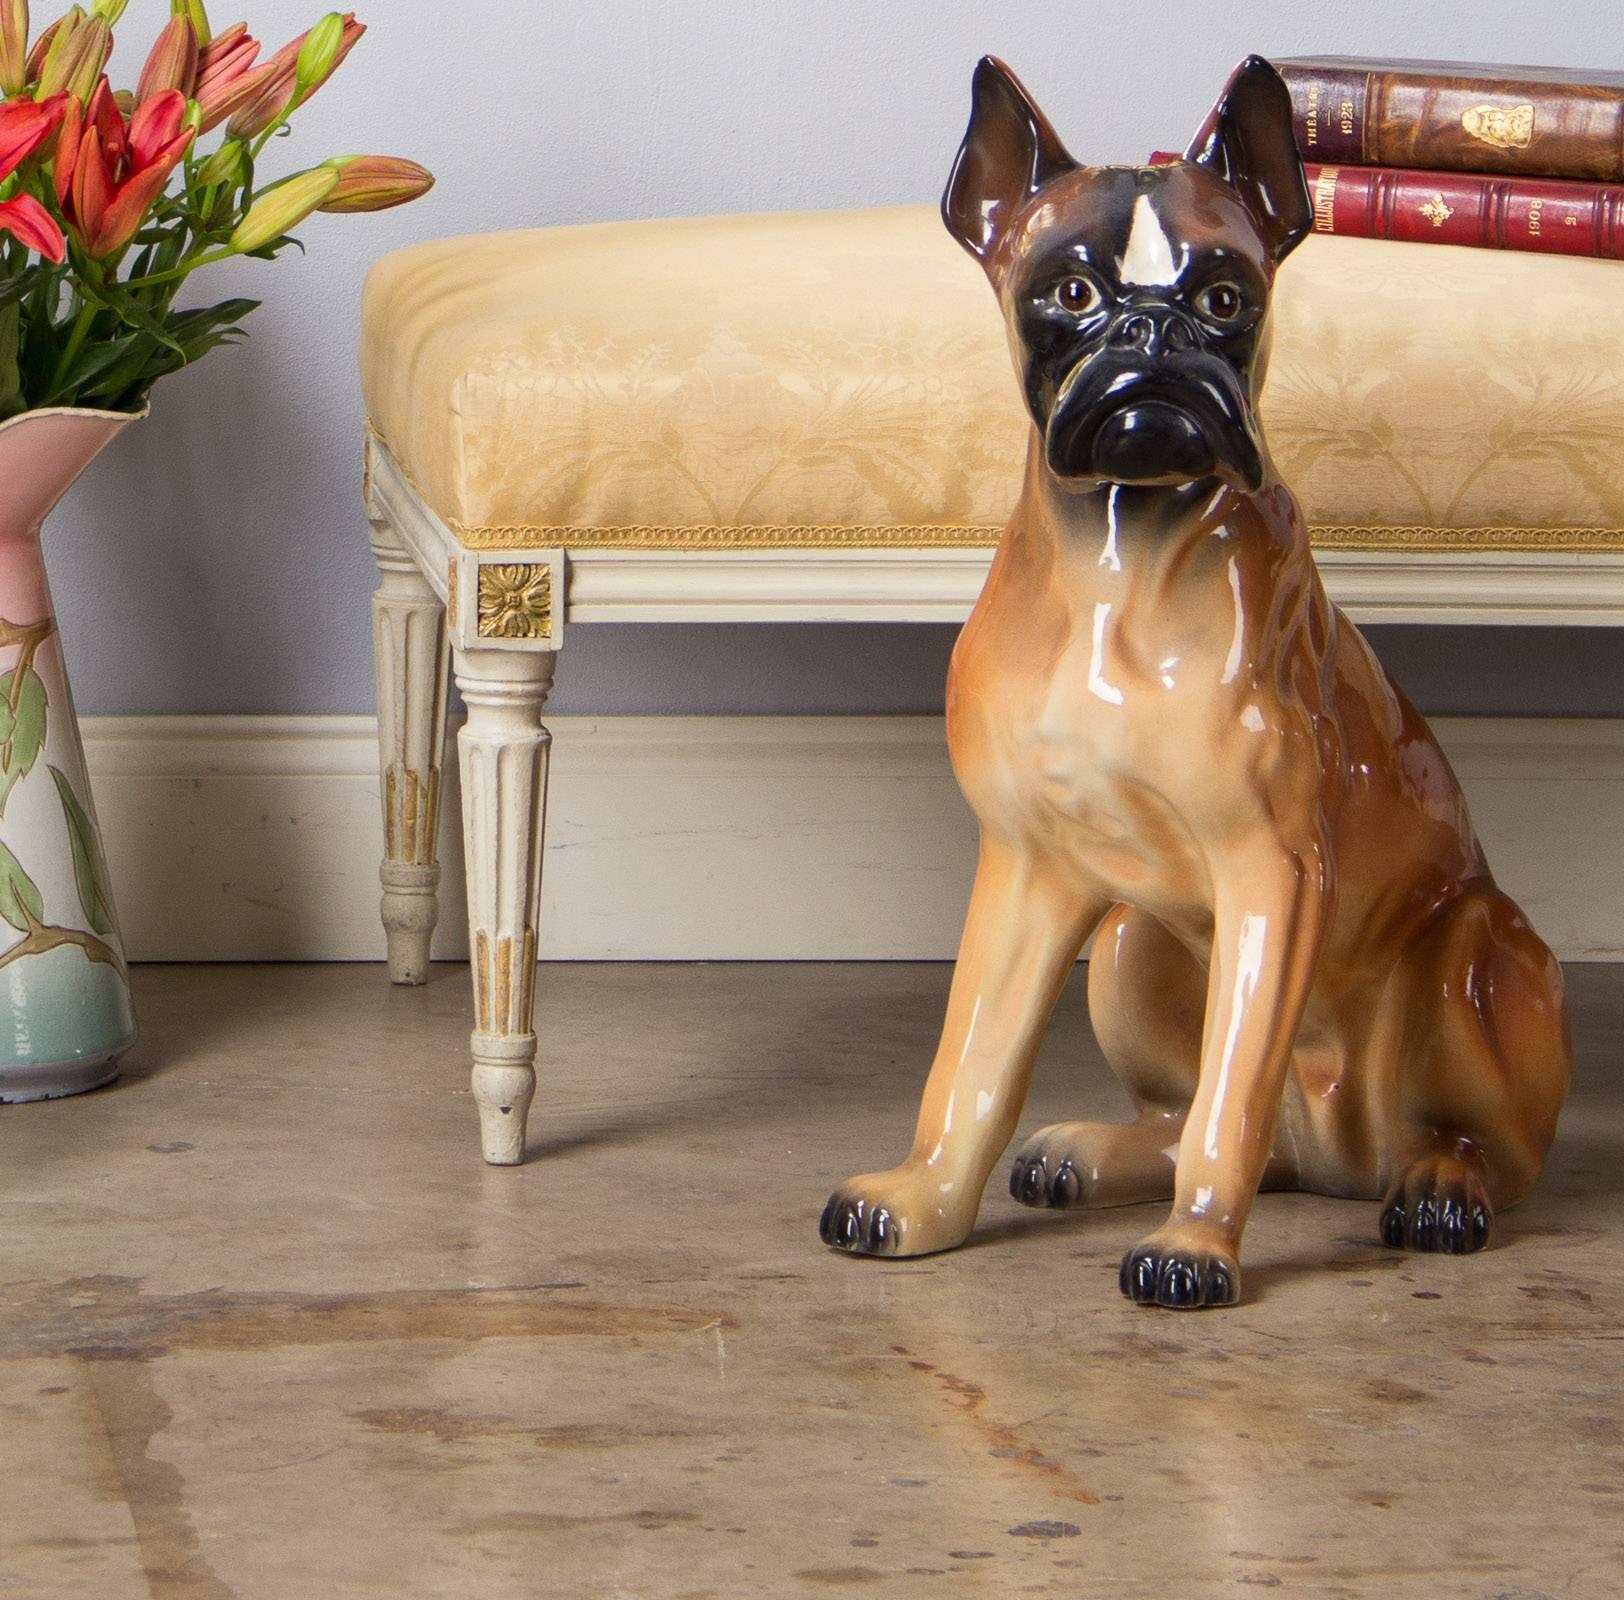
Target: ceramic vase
65,1015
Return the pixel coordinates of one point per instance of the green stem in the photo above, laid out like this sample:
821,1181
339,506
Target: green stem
257,148
70,351
300,95
207,259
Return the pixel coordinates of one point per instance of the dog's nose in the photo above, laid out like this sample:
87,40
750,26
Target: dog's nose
1153,332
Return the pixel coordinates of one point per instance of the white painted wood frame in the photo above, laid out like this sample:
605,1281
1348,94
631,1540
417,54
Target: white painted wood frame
502,615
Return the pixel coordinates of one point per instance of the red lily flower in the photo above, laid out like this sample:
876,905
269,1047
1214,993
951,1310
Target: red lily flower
26,219
24,128
107,175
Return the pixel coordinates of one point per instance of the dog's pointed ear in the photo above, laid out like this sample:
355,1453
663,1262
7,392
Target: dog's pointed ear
1009,153
1247,140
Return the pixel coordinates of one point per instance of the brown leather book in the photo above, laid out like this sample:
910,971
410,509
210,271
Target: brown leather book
1535,121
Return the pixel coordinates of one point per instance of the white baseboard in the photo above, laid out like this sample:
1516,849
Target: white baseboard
724,838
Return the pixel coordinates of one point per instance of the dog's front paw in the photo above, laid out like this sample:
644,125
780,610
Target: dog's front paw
897,1213
1183,1278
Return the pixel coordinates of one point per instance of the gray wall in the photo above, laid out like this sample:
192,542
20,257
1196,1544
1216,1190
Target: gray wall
215,560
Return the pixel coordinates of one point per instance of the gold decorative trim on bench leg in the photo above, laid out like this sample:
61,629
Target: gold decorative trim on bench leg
504,752
509,605
515,600
411,656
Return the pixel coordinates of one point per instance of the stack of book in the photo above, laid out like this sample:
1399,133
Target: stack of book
1509,158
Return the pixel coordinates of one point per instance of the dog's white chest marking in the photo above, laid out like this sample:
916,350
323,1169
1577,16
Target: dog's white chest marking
1148,258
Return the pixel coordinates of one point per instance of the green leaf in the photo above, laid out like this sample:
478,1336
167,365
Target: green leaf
186,325
22,732
11,376
19,899
126,306
269,252
39,353
98,359
192,334
88,871
118,378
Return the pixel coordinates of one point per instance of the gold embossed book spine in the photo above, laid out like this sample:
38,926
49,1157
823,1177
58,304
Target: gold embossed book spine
1546,215
1459,117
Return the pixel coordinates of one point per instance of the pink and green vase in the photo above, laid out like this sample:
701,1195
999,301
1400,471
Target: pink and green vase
65,1015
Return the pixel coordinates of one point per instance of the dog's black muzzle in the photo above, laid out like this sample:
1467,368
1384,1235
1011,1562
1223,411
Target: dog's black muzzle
1152,403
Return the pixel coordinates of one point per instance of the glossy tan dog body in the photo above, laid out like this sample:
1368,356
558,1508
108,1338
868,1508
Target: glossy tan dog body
1302,970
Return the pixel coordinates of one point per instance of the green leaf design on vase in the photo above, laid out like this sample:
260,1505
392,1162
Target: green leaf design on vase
22,728
20,901
88,872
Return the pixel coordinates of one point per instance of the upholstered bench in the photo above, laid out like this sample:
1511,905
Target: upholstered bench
813,418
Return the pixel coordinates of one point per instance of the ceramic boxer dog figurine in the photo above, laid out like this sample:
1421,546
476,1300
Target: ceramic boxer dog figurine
1302,969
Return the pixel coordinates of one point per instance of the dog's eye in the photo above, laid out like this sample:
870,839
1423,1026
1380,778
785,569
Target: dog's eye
1077,295
1221,302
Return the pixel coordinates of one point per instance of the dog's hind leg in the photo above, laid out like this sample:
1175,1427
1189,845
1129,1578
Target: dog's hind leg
1021,939
1469,1126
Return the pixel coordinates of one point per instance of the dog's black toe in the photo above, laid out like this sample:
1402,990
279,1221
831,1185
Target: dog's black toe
1439,1216
1035,1180
852,1224
1393,1224
1179,1280
1029,1181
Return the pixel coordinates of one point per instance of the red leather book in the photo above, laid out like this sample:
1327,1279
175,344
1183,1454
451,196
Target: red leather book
1548,215
1458,116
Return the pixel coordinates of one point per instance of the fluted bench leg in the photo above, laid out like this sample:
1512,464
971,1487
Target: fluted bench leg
411,655
504,754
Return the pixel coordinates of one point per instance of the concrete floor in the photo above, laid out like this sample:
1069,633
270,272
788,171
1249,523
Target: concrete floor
270,1330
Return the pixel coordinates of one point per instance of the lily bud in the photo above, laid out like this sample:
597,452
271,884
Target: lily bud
41,49
259,108
319,53
47,56
74,62
228,164
112,10
285,86
226,77
172,63
194,13
93,45
375,183
224,50
281,208
13,47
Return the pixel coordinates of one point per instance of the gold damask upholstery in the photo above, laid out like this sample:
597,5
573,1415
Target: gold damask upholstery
842,378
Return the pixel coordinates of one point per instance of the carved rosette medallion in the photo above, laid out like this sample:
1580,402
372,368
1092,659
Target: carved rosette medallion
515,601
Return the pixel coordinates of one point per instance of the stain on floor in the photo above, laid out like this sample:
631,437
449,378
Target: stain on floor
271,1329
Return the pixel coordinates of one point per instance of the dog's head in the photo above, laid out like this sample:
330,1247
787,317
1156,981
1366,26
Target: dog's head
1137,297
